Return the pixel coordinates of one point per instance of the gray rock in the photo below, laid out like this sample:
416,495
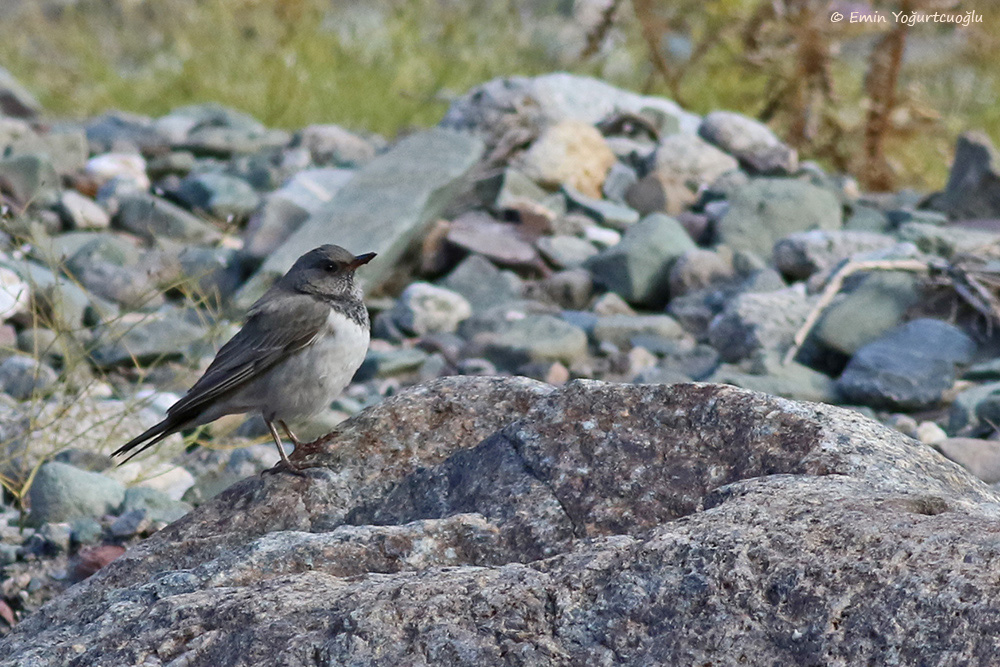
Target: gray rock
963,418
946,241
86,530
608,213
79,212
571,289
213,274
533,338
121,132
769,209
156,505
638,268
509,188
566,252
623,330
39,342
61,492
909,368
15,99
482,284
384,208
423,308
106,266
151,338
151,217
215,131
220,195
65,303
504,243
768,374
56,536
30,179
686,159
284,210
876,304
699,268
802,254
973,189
335,146
979,457
750,141
756,321
867,219
620,178
390,363
554,97
900,216
22,377
129,523
469,501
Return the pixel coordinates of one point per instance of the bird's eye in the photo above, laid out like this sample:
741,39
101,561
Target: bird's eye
331,266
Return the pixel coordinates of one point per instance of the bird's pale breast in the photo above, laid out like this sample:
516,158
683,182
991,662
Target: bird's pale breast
309,380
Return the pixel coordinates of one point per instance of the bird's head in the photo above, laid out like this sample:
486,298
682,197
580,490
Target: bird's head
327,272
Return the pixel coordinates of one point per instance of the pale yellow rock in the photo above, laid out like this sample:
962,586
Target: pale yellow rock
569,153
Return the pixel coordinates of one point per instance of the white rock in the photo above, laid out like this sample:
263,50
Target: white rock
15,295
125,166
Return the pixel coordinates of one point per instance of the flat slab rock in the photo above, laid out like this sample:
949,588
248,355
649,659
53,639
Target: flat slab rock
501,521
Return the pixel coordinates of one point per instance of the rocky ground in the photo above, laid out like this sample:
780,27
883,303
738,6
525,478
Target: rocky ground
553,228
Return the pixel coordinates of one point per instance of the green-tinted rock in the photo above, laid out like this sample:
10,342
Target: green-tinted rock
535,338
158,505
152,217
874,307
61,492
768,209
220,195
638,268
946,241
30,179
384,208
155,337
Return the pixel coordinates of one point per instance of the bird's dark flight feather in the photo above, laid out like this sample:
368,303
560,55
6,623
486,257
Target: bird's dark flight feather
275,329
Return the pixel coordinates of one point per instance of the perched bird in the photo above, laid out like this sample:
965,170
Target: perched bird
300,346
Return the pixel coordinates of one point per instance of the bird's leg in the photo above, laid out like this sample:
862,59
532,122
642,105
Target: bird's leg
291,436
285,463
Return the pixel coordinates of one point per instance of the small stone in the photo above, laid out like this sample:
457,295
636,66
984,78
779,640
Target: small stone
534,338
608,213
130,523
481,283
86,530
973,189
151,338
758,321
909,368
700,268
91,559
610,303
566,252
501,242
769,209
153,218
61,492
750,141
56,536
15,294
127,167
390,363
802,254
335,146
876,304
220,195
569,153
79,212
980,457
423,308
571,289
620,178
155,505
620,330
30,179
638,268
930,433
690,161
602,237
22,377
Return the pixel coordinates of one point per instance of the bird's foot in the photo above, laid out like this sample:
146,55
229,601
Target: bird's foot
284,466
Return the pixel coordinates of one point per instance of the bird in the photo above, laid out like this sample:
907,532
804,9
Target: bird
298,349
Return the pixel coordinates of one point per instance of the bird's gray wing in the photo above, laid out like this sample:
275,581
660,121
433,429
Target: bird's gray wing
275,329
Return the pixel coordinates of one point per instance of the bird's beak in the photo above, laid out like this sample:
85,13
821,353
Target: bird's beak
361,259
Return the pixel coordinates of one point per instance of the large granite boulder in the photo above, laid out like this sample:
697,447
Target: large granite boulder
492,521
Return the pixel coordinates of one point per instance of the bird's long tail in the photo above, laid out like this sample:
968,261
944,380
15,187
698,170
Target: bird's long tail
153,434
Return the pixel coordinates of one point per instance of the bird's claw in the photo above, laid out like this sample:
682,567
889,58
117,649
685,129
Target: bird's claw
283,466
